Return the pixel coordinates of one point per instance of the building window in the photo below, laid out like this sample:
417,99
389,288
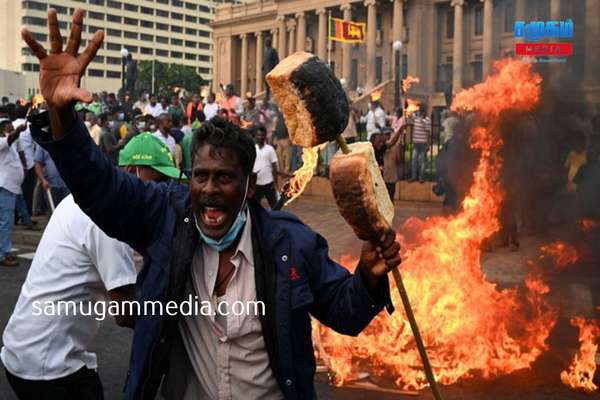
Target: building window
477,71
203,21
176,54
26,51
113,46
204,70
97,2
146,50
478,20
191,6
162,39
162,1
450,23
188,44
34,21
162,13
114,18
162,27
30,67
162,53
96,15
205,46
509,16
176,42
177,3
132,49
189,56
203,58
114,32
130,35
203,33
40,37
204,9
113,74
98,59
148,11
379,19
59,9
176,28
176,16
190,31
95,72
114,4
131,21
146,37
191,18
131,7
34,5
378,70
147,24
113,60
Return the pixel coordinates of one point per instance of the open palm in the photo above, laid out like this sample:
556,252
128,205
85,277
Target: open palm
60,72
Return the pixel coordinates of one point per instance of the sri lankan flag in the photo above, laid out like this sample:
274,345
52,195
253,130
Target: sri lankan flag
346,31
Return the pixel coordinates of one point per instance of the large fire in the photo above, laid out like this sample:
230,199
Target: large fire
581,371
408,82
469,326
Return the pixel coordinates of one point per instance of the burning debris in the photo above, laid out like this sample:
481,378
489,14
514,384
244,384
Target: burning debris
561,253
581,371
408,82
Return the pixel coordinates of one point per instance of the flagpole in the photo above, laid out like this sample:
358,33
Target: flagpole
329,40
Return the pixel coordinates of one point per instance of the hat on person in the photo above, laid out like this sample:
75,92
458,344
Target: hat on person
148,151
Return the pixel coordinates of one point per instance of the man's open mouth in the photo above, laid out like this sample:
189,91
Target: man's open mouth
213,217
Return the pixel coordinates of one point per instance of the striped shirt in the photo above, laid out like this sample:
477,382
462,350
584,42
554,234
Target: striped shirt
421,129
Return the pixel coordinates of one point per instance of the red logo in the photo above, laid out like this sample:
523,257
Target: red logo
294,274
545,49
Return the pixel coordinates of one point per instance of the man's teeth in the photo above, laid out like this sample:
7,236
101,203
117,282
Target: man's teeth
214,220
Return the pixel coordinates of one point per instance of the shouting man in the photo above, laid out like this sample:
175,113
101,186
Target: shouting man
213,241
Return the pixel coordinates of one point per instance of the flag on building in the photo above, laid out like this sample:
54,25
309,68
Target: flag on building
346,31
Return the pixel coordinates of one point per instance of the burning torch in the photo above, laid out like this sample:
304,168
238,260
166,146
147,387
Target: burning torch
316,111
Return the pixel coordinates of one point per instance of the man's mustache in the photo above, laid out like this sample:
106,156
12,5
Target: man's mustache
211,202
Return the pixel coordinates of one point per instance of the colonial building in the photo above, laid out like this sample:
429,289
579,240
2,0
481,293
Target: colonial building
449,45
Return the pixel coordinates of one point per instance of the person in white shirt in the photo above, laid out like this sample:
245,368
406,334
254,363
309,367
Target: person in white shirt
165,123
265,168
11,178
46,348
375,118
154,108
211,108
25,199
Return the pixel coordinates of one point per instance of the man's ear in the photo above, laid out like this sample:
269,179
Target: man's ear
130,169
252,185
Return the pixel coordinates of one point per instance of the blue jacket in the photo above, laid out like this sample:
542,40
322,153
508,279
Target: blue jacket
294,275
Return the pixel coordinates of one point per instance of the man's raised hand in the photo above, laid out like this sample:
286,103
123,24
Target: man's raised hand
60,72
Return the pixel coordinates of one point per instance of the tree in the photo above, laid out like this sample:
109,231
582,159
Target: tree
167,77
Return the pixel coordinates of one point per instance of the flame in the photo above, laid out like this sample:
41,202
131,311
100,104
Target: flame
413,106
561,253
303,175
376,95
468,325
587,225
581,371
408,82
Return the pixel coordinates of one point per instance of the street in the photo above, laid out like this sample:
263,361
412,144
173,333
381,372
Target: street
506,268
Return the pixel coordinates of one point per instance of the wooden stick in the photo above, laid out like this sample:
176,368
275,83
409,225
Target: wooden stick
418,339
343,145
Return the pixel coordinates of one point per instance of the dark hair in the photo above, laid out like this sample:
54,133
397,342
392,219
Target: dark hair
220,133
4,123
259,128
102,118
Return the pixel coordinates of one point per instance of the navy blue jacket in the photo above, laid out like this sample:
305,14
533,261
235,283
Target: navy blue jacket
294,275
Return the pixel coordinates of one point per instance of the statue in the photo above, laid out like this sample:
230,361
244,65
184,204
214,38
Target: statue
271,59
131,74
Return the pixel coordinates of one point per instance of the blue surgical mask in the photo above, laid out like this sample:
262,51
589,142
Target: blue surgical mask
227,239
141,125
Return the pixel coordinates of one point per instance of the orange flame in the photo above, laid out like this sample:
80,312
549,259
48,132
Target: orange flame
408,82
303,175
376,95
468,325
587,225
413,106
580,373
561,253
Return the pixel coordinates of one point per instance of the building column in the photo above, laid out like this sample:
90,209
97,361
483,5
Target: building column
282,50
554,10
397,24
488,36
347,47
371,42
592,49
291,27
259,62
244,68
457,54
322,38
300,32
